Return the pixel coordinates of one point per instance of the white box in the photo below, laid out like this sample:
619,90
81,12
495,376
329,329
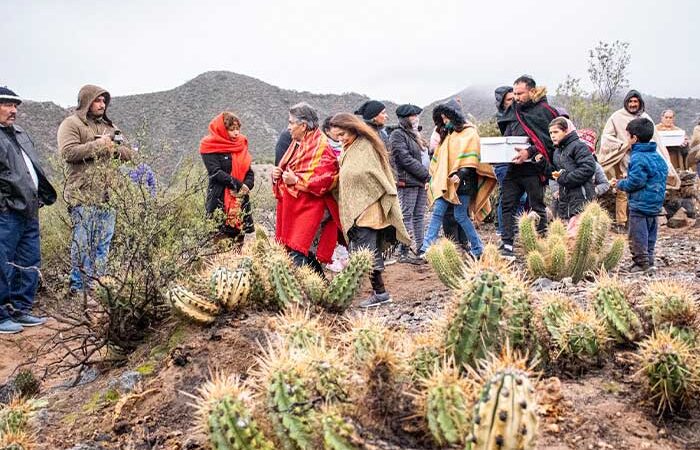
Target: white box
501,149
672,138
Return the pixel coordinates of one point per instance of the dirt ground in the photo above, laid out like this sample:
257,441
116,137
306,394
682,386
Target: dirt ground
603,409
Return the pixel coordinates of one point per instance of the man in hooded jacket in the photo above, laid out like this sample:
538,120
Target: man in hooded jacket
614,153
89,143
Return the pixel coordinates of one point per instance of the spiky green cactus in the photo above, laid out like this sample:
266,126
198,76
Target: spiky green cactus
557,261
557,227
536,265
286,289
582,337
224,414
348,282
17,441
444,258
548,317
313,285
445,400
612,306
581,257
289,404
424,360
528,233
505,417
473,330
14,417
614,256
669,370
518,313
327,376
338,433
672,308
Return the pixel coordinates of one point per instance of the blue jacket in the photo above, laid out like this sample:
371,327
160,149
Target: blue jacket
646,180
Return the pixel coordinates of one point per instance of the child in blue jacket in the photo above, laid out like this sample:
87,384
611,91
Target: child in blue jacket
646,187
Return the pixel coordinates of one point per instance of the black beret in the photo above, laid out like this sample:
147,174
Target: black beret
408,110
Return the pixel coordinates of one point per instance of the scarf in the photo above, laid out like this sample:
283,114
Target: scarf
461,150
218,141
309,160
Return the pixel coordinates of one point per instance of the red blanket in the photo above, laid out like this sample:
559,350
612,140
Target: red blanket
219,141
302,208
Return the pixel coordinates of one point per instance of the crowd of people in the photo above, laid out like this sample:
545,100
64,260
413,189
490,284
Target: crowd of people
351,180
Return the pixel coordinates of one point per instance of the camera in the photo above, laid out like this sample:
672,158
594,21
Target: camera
117,138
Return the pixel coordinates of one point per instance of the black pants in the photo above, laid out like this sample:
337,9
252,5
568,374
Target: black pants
299,259
513,188
370,239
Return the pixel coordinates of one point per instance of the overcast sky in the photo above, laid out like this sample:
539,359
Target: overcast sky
403,50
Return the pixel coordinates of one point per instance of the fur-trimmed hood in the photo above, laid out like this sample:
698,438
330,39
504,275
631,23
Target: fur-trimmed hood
540,94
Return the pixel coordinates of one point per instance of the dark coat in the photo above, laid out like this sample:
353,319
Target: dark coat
219,169
381,131
646,180
283,143
406,159
577,166
17,191
532,120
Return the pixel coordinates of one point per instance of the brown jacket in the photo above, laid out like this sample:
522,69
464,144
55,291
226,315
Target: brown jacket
90,166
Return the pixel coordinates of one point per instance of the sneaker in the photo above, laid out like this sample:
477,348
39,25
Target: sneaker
635,268
507,252
619,228
9,326
28,320
376,300
651,270
406,259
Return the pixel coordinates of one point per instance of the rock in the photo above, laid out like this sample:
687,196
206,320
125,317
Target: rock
86,377
679,220
126,382
568,281
121,427
87,446
662,220
545,284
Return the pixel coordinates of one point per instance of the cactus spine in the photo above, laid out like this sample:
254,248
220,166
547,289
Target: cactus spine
581,337
224,414
286,289
473,330
671,307
338,434
444,258
614,255
528,233
230,288
518,312
580,260
535,264
611,305
345,285
670,371
192,306
313,285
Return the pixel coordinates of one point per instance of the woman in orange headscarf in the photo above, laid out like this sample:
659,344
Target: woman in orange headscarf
228,162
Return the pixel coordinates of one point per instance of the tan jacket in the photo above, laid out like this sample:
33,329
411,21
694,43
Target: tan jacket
90,165
694,152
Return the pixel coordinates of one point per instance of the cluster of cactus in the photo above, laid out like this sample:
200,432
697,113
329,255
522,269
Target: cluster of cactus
611,305
569,333
445,260
672,308
15,429
556,258
505,415
444,400
423,353
669,370
338,433
225,415
193,306
231,288
299,330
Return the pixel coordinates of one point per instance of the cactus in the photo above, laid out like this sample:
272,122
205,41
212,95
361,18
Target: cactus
581,258
192,306
473,328
614,255
423,354
299,330
557,261
17,441
582,337
230,288
505,416
338,433
669,371
312,283
518,312
225,416
444,401
288,400
557,228
365,334
444,258
528,233
286,289
547,318
671,307
15,416
535,264
612,306
348,282
327,376
26,383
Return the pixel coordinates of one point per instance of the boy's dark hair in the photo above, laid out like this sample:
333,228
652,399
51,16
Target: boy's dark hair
326,127
527,79
642,128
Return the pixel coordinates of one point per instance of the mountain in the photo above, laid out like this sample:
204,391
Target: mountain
170,123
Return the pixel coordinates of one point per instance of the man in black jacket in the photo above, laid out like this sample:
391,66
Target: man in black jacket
24,188
527,173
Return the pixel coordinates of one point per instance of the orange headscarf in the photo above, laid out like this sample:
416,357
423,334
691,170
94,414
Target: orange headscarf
218,141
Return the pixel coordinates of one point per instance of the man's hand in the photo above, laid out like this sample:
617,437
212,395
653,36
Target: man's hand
454,178
276,174
556,174
613,183
104,140
427,186
289,177
686,142
522,156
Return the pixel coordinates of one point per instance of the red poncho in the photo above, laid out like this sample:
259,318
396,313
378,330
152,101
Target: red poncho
219,141
301,208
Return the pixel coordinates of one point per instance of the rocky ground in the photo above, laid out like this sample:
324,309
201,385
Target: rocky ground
143,405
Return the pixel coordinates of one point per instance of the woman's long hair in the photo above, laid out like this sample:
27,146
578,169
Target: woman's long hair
406,124
352,123
457,121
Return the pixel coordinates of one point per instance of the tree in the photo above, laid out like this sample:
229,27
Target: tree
585,110
607,69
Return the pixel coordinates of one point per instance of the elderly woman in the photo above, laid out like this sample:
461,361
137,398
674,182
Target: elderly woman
307,213
370,214
226,157
676,153
457,176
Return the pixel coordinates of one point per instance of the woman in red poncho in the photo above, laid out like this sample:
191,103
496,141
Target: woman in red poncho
307,213
228,162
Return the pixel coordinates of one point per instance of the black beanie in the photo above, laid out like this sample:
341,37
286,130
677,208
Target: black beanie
7,96
370,109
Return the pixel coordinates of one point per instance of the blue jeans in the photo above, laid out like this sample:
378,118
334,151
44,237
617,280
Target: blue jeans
20,259
93,228
501,170
642,238
462,218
